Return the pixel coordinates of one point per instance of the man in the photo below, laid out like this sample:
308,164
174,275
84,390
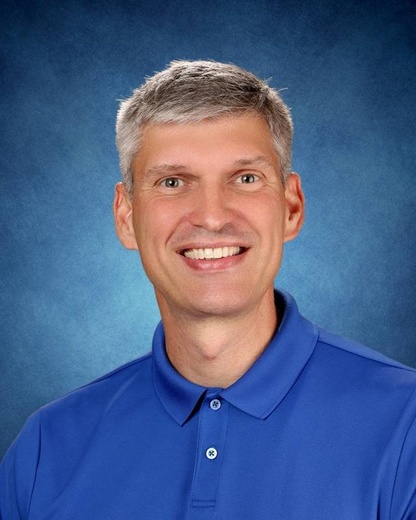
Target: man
244,409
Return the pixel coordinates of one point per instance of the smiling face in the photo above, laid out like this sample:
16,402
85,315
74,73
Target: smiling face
209,214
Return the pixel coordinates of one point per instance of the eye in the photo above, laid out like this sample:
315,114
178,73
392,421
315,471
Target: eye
247,178
172,182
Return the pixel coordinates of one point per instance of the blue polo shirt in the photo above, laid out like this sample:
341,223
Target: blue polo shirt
318,428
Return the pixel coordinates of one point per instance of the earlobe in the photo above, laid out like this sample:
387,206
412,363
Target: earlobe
123,217
295,207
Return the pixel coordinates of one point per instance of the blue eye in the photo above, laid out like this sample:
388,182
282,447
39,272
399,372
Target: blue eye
172,182
248,178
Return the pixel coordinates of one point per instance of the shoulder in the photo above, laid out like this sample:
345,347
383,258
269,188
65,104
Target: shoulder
74,417
359,365
373,398
57,434
86,404
366,394
349,347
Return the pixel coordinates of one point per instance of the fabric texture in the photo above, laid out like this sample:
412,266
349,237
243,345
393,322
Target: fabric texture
319,427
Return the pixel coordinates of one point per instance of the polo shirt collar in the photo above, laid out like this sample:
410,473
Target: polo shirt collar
260,390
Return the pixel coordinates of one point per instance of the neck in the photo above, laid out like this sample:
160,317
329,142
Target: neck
215,351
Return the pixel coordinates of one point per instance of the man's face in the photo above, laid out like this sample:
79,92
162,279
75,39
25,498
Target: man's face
209,214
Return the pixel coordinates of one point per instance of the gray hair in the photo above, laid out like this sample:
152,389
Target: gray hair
196,91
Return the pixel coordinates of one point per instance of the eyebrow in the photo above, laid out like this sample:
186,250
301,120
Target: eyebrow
163,168
259,160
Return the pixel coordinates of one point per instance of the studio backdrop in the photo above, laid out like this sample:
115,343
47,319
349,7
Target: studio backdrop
74,304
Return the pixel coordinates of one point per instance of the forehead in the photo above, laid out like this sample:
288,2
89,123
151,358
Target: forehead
229,139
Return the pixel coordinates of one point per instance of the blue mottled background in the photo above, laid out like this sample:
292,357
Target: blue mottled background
74,304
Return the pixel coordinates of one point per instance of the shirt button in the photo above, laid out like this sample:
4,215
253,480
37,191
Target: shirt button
211,453
215,404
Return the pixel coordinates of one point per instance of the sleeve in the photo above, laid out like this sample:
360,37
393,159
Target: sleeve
403,505
18,472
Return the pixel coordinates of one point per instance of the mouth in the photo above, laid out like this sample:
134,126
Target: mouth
212,253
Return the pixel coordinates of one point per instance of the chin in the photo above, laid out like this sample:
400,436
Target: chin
214,299
220,303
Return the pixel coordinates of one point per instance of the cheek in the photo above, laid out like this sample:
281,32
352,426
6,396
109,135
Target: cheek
269,218
154,221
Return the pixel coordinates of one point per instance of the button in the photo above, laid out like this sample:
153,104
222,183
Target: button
215,404
211,453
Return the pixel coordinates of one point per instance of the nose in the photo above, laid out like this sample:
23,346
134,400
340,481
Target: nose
211,207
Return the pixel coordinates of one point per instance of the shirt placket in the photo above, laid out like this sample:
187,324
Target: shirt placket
212,430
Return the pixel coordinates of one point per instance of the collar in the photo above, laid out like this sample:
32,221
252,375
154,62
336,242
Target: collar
265,384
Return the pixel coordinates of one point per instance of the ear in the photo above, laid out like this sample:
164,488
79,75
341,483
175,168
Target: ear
295,207
123,212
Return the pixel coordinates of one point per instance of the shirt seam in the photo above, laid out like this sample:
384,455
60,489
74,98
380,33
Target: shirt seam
29,508
389,363
399,458
103,377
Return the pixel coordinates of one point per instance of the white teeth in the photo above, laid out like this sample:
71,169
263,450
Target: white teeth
208,253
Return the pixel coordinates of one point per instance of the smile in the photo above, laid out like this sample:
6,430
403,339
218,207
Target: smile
209,253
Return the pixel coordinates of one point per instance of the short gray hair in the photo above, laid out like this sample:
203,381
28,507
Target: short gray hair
196,91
